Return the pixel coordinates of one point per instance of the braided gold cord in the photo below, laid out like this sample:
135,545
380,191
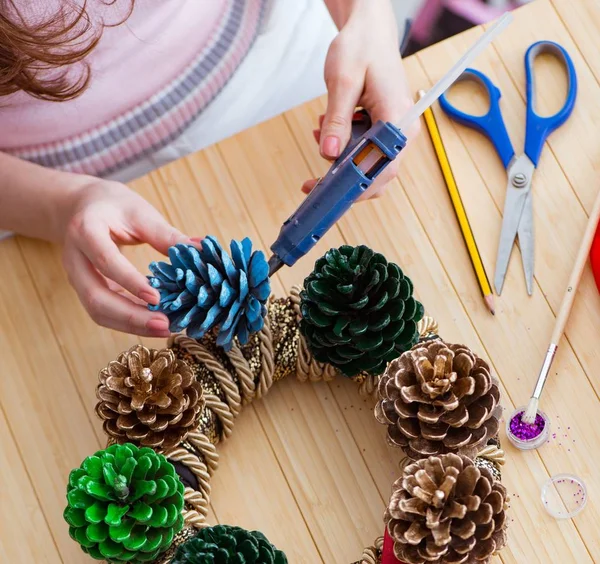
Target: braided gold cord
223,413
196,500
372,554
205,463
309,369
427,326
368,386
265,336
493,454
224,378
194,519
209,451
243,369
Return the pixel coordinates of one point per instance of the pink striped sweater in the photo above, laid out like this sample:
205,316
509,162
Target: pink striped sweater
151,77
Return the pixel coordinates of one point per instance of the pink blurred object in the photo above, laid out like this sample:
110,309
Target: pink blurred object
476,12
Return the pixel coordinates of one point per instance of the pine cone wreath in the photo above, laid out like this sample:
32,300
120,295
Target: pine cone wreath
124,504
358,312
206,288
438,398
149,397
445,510
228,545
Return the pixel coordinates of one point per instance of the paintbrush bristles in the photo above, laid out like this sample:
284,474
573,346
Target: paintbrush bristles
531,411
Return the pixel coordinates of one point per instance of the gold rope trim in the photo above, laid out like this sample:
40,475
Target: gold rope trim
204,464
309,369
372,554
427,326
493,454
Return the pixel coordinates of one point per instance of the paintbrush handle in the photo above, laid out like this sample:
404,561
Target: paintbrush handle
543,376
569,297
580,262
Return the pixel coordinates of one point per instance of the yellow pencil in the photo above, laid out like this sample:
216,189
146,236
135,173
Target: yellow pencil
459,209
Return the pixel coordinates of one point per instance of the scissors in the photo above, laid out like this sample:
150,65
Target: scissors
518,205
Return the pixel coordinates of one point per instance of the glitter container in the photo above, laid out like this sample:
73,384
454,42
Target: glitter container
564,496
527,437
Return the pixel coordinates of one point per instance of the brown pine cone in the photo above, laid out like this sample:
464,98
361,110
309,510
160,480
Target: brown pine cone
445,510
149,397
438,398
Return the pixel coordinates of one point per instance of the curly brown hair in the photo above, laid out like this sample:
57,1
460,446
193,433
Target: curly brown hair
46,58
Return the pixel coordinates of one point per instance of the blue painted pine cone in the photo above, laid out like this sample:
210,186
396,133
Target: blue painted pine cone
358,312
223,544
206,288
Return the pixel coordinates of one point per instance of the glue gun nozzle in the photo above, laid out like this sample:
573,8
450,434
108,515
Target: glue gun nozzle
275,263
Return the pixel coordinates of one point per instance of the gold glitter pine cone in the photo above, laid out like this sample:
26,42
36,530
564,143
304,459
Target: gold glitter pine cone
149,397
438,398
445,510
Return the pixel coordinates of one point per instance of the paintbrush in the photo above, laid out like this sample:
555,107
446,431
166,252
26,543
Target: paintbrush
564,311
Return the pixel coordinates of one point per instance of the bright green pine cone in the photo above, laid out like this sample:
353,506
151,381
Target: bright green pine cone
228,545
124,504
358,311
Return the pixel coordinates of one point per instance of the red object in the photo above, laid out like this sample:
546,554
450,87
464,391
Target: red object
387,557
595,257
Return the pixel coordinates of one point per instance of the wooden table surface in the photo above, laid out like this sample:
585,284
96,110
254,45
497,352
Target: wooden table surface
309,465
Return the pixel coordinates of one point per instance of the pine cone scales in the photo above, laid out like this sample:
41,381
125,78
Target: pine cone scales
124,504
358,312
438,398
149,397
223,544
445,510
203,289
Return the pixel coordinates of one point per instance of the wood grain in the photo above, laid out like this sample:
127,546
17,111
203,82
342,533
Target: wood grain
309,465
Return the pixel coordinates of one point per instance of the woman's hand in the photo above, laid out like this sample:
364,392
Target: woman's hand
363,68
103,216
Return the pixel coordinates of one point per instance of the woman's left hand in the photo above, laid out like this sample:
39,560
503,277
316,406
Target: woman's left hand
363,68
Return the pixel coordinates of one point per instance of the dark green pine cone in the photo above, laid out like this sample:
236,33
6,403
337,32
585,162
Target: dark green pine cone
358,311
124,504
228,545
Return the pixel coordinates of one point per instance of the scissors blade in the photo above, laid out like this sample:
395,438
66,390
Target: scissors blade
513,209
526,242
518,192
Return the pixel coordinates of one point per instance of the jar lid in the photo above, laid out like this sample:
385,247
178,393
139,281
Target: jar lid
564,496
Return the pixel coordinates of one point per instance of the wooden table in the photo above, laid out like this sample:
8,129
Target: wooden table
309,466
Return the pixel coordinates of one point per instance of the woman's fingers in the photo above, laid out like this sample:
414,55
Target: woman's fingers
343,95
309,185
117,289
94,240
151,227
375,190
107,308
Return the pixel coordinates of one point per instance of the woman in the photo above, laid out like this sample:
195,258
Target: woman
97,93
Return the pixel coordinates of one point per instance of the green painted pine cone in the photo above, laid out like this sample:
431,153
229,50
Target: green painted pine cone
358,311
228,545
124,504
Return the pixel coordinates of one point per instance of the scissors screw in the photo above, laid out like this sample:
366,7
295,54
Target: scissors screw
519,180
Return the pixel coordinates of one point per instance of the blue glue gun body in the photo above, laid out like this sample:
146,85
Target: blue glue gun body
369,152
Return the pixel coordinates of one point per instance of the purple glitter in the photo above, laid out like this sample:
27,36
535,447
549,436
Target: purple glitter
524,431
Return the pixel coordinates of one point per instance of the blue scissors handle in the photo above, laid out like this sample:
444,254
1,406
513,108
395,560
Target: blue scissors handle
537,127
490,124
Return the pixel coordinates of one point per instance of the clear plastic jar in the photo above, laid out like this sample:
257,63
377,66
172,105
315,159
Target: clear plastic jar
529,444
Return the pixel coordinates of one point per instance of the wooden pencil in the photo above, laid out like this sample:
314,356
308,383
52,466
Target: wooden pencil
461,216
